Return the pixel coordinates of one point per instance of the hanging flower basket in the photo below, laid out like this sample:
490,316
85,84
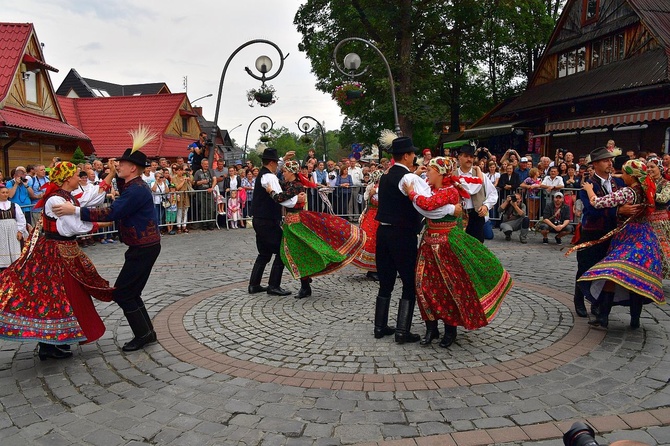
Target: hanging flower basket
348,93
305,139
265,138
263,96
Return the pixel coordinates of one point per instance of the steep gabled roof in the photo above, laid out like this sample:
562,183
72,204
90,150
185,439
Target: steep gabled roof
13,41
655,15
86,87
107,122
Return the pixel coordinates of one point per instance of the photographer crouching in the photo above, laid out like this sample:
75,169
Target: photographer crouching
514,218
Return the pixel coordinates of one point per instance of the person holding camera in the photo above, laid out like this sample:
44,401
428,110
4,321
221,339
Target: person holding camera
556,219
199,151
19,192
514,218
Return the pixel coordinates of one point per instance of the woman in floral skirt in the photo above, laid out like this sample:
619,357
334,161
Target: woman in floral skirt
366,256
45,295
313,243
458,280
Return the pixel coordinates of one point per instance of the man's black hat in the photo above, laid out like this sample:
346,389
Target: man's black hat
403,144
619,161
135,157
601,153
270,155
467,149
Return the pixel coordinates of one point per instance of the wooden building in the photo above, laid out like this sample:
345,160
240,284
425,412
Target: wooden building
605,74
33,129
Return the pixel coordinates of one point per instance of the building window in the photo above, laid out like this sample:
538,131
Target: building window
590,10
572,61
30,82
184,124
607,50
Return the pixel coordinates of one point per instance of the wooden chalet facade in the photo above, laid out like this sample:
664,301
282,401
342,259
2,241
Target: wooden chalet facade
33,129
605,74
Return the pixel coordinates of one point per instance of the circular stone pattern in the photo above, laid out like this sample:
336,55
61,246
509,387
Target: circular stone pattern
332,330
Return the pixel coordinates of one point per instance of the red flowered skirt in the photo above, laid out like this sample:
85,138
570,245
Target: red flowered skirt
46,295
315,243
366,256
458,280
660,223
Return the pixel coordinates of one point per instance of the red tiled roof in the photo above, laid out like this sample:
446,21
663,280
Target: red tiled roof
17,119
107,122
13,41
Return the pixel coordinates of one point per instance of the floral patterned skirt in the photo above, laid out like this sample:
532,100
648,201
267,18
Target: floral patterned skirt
633,263
315,243
660,223
458,280
46,295
366,256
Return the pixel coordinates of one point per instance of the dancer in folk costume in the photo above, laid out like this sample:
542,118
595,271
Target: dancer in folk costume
45,295
313,243
659,218
138,227
458,280
631,272
366,256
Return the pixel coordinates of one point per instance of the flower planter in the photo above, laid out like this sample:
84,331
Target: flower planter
354,94
263,98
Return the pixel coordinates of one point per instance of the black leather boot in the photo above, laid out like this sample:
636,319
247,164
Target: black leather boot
382,317
305,288
372,275
141,326
604,308
404,323
45,351
274,283
635,310
578,299
255,279
449,337
431,333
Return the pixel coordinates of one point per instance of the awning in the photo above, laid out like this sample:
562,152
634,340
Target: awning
491,130
28,59
454,144
656,114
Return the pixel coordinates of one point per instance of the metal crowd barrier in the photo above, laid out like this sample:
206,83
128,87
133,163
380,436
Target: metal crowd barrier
535,206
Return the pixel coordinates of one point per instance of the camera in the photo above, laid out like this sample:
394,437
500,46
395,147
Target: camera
580,434
331,176
24,179
209,143
512,198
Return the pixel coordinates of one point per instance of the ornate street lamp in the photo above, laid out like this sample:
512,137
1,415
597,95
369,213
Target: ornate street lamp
263,65
352,62
306,128
265,128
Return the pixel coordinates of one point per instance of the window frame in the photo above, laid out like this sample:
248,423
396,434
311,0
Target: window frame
585,8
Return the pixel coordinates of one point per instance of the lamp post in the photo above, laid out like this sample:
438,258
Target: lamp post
306,128
263,65
352,62
264,129
201,97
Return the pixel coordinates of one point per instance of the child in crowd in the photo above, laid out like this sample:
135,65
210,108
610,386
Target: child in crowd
234,208
171,211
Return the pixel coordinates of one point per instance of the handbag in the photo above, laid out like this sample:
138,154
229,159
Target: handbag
165,203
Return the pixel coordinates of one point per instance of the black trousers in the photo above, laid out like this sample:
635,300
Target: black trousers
396,251
588,257
268,238
134,276
475,226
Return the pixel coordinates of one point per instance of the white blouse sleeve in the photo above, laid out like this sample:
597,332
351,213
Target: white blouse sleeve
93,196
422,188
20,220
67,225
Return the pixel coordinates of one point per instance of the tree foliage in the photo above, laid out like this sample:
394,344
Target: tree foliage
451,60
78,156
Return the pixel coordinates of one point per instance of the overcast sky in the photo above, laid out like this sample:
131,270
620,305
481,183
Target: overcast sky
133,42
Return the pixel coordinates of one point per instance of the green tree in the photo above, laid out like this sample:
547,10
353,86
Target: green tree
451,60
78,156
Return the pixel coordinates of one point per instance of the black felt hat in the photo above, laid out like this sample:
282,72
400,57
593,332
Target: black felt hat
403,144
467,149
601,153
270,155
135,157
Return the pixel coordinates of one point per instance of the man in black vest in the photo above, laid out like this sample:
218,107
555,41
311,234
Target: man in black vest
267,226
396,245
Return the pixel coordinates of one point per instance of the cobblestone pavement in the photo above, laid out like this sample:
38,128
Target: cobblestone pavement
232,368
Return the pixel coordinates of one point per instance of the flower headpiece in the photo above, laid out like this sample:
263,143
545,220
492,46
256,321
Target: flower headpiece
62,172
443,165
292,166
638,169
